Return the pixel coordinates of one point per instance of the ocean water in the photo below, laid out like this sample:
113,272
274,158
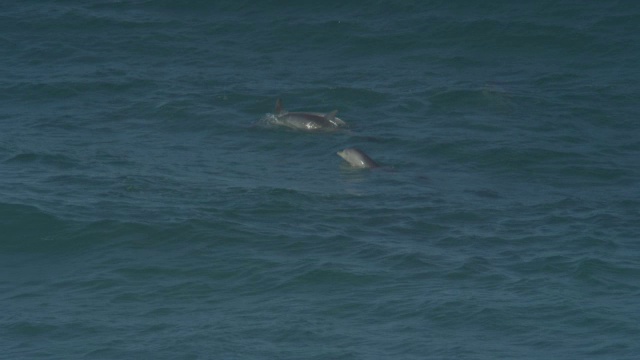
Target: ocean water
146,212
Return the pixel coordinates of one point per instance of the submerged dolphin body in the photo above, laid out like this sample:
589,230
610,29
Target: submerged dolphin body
357,158
309,121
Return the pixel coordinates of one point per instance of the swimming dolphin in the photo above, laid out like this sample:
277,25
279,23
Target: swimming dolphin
357,158
309,121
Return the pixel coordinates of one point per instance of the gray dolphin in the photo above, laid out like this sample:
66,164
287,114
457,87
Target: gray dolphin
357,158
309,121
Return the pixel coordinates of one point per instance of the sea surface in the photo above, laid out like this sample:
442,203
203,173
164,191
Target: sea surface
148,211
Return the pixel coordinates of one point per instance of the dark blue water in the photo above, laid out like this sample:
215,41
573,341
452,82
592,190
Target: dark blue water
146,211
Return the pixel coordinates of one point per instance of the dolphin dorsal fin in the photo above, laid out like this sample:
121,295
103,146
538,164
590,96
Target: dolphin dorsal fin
279,109
332,115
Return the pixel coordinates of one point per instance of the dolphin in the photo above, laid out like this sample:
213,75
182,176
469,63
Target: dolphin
309,121
357,158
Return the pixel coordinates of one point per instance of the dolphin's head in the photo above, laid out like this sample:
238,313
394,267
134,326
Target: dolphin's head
357,158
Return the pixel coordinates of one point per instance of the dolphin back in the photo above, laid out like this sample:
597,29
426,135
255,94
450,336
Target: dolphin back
309,121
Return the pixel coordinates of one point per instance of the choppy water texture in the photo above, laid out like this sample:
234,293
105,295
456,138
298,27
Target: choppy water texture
145,213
